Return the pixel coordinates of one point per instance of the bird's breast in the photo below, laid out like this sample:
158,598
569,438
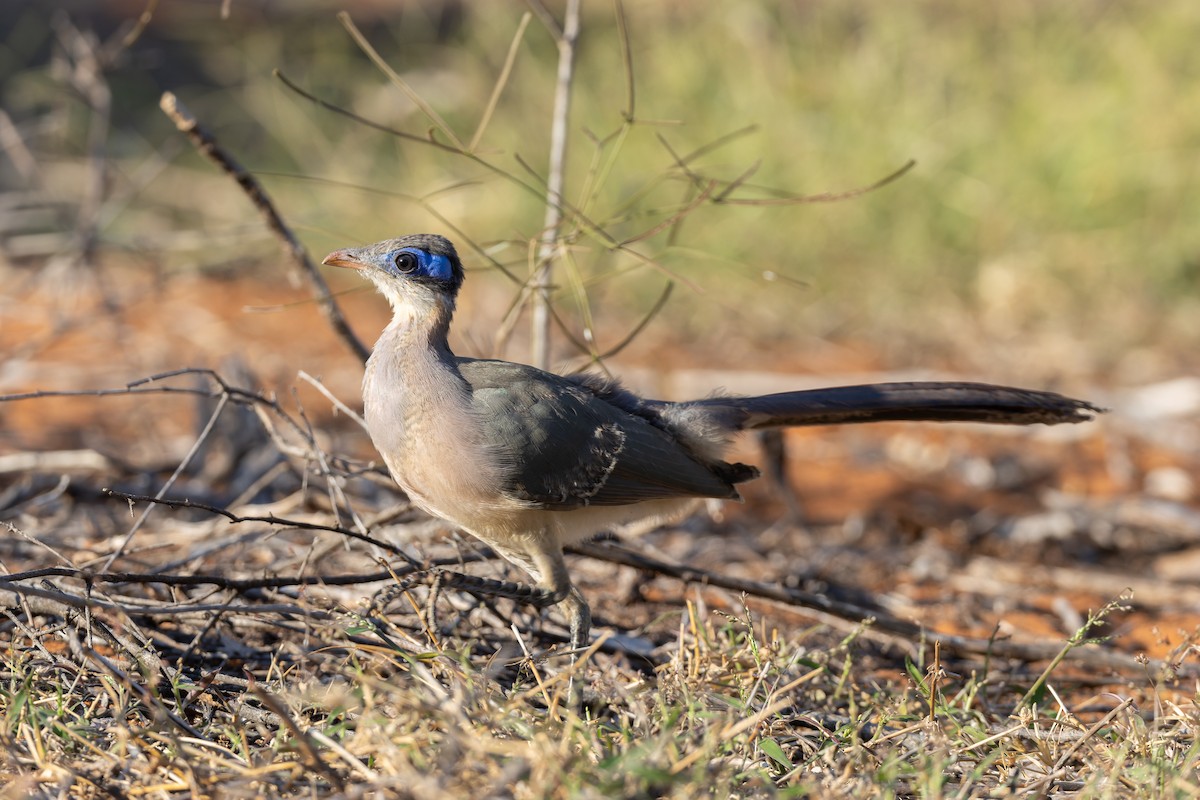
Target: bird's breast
420,419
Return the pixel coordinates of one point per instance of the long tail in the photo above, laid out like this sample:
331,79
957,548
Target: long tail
924,401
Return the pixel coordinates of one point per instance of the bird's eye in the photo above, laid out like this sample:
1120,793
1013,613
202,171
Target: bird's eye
406,262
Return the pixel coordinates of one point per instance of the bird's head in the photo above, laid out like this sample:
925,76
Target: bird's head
412,270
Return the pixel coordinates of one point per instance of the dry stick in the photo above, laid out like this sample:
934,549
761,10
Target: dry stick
602,166
56,603
270,518
208,147
789,199
554,186
337,403
881,622
598,359
225,582
501,82
187,459
626,59
143,21
373,54
12,144
233,393
148,697
308,748
782,197
587,226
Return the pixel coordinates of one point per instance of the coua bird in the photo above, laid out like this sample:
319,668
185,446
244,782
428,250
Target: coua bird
529,461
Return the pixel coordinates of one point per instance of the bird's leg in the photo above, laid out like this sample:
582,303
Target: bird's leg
439,579
551,570
489,587
775,468
579,616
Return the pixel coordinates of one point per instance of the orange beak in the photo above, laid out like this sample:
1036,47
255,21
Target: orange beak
343,258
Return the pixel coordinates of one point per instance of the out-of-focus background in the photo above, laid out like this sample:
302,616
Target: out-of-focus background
1044,236
1040,229
1047,229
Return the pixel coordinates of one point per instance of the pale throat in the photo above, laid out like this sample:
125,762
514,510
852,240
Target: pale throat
422,321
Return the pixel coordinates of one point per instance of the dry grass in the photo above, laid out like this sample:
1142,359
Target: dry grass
268,704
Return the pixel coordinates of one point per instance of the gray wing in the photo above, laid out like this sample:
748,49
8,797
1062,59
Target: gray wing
563,445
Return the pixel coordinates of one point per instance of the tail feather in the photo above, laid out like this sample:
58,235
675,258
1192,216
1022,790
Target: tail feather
922,401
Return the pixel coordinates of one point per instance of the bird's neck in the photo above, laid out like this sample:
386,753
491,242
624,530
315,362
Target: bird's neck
412,384
418,331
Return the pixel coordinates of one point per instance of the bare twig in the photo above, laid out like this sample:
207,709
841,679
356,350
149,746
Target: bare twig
543,269
626,60
501,82
835,609
586,225
59,603
139,27
337,403
658,306
788,199
703,196
187,459
426,109
240,585
270,519
307,746
207,145
13,145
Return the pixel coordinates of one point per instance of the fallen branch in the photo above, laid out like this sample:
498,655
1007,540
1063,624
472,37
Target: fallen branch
208,147
908,632
270,519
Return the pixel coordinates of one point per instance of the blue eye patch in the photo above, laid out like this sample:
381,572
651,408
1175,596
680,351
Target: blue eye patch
415,262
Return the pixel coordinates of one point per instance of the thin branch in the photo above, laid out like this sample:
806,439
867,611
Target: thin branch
896,628
732,186
203,141
59,603
546,18
705,149
658,306
544,267
412,137
187,459
270,519
394,77
586,225
242,585
139,27
824,197
626,59
705,194
501,82
337,403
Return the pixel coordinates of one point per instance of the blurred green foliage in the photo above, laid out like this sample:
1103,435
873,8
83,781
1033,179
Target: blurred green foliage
1057,149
